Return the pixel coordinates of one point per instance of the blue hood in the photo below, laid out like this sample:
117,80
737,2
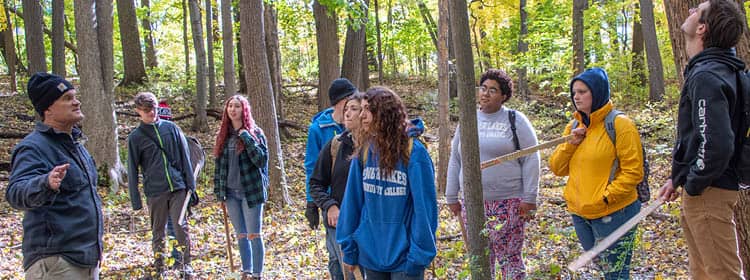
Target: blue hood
415,128
598,82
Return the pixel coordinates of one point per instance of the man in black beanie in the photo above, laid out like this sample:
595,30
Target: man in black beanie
53,180
324,126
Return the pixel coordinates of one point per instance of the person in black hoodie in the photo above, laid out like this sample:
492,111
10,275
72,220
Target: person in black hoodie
702,156
334,172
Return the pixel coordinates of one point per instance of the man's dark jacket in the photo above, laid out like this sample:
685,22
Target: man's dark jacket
707,117
67,222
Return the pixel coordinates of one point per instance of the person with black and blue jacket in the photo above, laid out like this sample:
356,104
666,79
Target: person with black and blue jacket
390,197
53,180
159,149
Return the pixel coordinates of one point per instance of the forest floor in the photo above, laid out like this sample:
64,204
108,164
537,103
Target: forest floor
294,251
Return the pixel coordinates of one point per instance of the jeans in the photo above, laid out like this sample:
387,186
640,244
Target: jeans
335,258
56,267
400,275
170,235
247,223
615,260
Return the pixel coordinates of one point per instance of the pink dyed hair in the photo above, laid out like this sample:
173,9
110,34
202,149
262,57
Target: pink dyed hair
248,123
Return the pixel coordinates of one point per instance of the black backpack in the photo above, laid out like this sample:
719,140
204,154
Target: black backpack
644,192
742,146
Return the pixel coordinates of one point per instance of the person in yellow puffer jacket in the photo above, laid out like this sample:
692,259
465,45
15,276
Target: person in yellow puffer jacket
599,206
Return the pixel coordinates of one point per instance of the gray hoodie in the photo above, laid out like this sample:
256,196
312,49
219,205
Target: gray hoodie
512,179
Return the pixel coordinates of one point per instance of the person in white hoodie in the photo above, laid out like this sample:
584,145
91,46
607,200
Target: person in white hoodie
510,188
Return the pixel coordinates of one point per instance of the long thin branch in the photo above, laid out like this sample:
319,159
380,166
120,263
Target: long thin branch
68,45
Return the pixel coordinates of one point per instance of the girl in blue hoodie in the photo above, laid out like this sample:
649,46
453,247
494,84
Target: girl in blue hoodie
389,212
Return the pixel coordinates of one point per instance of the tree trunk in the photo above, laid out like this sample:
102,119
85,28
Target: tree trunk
742,215
429,22
522,85
655,68
274,57
578,54
33,24
380,44
240,61
185,46
743,52
391,50
444,130
365,73
677,12
9,50
261,93
326,35
148,37
58,37
132,57
354,50
230,86
637,50
94,36
210,51
200,122
479,259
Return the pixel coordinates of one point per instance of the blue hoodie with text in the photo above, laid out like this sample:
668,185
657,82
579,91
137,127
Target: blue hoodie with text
388,222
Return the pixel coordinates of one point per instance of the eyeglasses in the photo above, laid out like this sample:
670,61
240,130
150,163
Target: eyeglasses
490,90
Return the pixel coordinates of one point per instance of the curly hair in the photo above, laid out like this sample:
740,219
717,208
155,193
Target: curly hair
502,79
387,131
248,123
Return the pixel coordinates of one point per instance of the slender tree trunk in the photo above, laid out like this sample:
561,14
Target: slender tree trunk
132,57
638,49
200,122
240,59
655,68
354,50
429,22
479,264
58,37
523,46
326,35
230,86
148,37
210,51
365,78
391,50
677,12
743,52
94,36
261,93
274,57
71,34
185,46
34,34
578,53
380,43
444,130
473,29
742,215
9,50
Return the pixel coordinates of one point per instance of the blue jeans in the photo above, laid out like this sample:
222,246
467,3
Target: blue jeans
400,275
615,260
334,255
247,221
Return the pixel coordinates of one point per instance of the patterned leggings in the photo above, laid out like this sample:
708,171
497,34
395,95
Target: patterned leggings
506,234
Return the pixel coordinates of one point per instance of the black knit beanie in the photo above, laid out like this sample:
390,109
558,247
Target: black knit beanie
340,88
44,89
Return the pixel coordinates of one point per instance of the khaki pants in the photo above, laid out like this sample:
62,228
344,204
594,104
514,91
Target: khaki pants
56,267
708,223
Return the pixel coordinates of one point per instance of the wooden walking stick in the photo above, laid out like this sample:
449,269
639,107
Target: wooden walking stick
229,238
589,255
525,152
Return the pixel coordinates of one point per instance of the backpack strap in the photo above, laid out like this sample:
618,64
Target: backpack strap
609,125
512,120
335,146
